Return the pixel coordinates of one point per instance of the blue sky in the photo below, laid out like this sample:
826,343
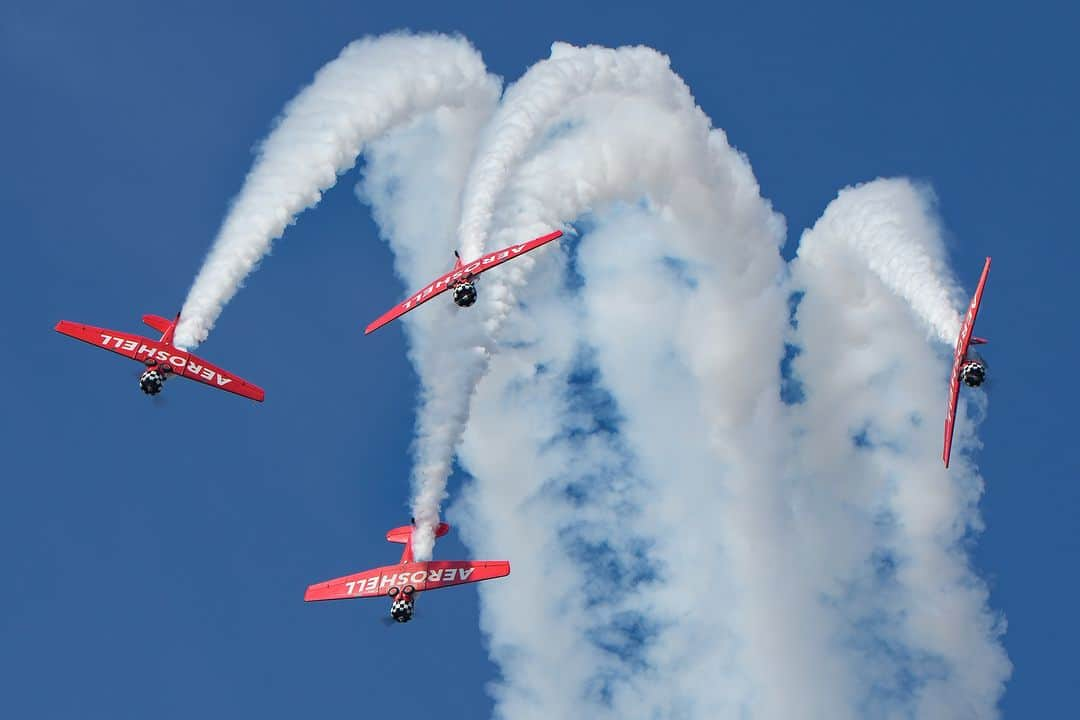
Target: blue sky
156,553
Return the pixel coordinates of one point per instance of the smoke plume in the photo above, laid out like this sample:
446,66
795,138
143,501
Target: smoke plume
375,84
716,473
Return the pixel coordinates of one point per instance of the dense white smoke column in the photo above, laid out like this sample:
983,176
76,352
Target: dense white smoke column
895,520
412,181
704,304
372,86
891,225
802,649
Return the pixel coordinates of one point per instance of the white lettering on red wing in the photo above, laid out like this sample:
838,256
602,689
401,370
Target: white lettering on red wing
418,577
385,581
369,586
450,573
434,575
130,344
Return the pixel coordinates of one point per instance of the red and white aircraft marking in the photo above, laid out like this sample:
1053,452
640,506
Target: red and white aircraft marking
967,366
461,280
161,358
404,581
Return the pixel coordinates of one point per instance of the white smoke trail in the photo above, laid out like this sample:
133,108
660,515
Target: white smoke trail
569,77
423,165
892,227
543,93
375,84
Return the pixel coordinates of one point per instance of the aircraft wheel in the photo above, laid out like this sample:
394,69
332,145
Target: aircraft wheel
392,592
408,589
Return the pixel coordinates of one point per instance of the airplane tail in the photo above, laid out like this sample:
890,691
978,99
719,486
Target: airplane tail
403,535
163,326
457,262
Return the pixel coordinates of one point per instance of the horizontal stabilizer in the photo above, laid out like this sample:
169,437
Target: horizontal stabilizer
157,322
403,534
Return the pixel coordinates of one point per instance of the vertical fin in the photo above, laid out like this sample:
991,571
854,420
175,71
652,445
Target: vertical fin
167,337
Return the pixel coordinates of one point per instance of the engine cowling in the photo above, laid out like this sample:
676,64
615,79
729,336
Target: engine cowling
152,381
464,294
402,609
973,373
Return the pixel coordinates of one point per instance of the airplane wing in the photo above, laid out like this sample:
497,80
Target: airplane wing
423,576
950,413
963,341
447,573
141,349
121,343
201,371
364,584
448,280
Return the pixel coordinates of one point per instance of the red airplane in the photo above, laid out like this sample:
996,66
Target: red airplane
462,280
161,357
967,365
404,581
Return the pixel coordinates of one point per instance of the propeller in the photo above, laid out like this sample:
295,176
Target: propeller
389,621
